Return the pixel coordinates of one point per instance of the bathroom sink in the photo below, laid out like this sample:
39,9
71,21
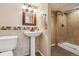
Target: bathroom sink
33,34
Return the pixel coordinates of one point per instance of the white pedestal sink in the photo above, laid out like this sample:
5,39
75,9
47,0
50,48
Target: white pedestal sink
33,35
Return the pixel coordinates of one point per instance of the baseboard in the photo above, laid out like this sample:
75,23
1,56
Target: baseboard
41,53
52,44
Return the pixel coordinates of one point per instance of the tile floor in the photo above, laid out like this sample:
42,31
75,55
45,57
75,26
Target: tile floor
58,51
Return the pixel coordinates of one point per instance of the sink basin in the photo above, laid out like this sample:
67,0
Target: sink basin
33,34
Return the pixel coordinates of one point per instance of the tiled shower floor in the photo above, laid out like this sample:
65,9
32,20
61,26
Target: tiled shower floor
58,51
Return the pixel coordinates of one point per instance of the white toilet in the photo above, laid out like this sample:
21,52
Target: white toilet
7,44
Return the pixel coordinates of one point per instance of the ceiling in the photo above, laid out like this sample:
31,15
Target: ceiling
63,6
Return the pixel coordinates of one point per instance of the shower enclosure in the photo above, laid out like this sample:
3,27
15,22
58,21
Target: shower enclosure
66,32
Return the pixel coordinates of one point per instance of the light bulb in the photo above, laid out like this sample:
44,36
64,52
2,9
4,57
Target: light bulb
35,10
30,8
24,7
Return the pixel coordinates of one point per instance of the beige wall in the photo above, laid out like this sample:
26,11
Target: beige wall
44,42
73,27
54,26
10,14
50,29
61,31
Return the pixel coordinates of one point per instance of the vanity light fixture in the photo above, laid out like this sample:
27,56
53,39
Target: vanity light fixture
29,8
24,7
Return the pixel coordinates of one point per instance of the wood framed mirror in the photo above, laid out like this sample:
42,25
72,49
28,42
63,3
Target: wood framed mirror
28,17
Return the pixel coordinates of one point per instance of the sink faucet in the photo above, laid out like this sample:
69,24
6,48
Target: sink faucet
32,29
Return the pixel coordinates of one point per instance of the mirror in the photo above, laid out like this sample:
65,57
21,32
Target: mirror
28,16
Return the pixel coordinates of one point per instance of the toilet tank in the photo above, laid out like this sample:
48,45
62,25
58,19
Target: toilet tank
8,43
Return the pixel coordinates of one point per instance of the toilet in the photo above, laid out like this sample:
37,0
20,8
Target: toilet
7,45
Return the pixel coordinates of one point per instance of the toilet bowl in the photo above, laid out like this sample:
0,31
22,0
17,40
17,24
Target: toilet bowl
7,44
